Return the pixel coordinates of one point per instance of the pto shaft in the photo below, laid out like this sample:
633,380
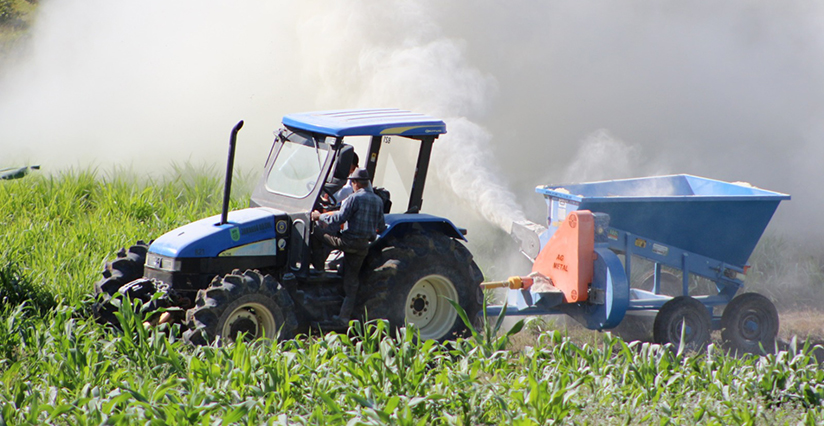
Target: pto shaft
513,283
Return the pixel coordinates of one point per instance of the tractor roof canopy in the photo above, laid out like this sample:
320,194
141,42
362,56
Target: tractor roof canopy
367,122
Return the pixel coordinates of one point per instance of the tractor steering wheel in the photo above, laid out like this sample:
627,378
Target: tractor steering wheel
330,200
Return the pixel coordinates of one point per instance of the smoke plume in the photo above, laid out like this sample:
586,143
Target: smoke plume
729,90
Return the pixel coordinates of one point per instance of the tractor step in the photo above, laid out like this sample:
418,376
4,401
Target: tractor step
325,277
325,300
330,325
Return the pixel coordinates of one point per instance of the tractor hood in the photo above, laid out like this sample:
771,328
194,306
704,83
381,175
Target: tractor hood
208,238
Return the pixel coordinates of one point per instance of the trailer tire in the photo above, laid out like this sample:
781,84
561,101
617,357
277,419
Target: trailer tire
127,267
250,303
688,311
749,324
410,278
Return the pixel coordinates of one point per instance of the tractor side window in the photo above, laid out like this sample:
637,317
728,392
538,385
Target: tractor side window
297,168
396,169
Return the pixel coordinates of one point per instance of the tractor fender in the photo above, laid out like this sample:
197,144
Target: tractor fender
401,223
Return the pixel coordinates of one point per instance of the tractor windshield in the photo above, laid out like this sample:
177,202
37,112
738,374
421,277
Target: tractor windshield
297,166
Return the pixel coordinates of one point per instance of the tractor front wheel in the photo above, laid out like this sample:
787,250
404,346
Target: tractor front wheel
249,304
127,267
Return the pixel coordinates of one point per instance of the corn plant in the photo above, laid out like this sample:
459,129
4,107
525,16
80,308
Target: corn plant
58,366
488,339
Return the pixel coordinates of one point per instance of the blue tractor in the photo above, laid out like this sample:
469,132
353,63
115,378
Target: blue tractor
247,271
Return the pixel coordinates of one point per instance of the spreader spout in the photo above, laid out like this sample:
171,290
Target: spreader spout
527,235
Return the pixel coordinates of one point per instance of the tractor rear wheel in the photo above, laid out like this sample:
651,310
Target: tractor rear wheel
749,323
411,278
248,304
683,314
127,267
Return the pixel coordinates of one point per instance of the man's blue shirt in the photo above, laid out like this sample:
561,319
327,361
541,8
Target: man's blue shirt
361,213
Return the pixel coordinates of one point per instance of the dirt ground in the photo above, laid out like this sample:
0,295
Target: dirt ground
803,324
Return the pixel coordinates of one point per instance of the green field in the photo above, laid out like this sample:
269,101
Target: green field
57,366
16,17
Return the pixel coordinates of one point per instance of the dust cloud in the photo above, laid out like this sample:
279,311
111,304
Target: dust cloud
601,156
729,90
532,92
143,84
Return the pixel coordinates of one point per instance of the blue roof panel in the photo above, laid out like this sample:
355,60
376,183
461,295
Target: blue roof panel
366,122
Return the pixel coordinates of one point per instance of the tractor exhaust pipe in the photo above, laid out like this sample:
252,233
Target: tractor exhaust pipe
227,188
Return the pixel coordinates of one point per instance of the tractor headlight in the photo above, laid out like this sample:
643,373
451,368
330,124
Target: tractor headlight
162,262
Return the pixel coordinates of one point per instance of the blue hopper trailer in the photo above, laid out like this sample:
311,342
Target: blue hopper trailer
596,231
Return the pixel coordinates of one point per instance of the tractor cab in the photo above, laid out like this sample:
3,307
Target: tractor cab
311,157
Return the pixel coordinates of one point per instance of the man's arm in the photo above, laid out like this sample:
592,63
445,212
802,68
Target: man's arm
343,194
338,217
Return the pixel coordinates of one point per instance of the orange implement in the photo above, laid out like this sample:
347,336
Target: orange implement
568,257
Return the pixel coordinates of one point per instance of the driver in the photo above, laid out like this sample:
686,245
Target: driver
347,189
361,215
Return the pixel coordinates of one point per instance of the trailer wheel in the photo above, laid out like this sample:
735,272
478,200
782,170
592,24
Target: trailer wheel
249,303
749,323
411,278
687,314
127,267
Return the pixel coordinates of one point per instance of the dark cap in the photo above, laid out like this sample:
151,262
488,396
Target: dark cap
359,174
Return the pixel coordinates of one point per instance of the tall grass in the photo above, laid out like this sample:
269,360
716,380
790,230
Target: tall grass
789,272
58,231
16,17
57,366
